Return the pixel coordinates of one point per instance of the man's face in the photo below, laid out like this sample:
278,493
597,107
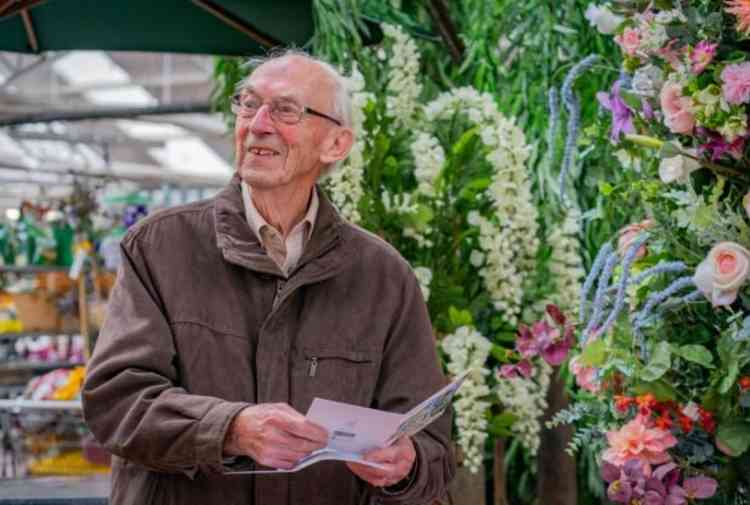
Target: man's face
271,154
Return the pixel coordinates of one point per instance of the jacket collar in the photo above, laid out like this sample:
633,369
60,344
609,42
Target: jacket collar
239,245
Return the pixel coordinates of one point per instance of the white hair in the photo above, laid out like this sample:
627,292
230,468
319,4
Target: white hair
342,101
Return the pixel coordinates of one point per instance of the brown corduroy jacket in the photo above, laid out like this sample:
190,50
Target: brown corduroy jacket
201,324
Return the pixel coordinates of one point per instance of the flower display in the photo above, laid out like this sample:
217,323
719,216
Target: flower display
663,331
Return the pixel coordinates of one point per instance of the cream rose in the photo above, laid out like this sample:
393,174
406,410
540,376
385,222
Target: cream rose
628,235
677,168
723,272
746,203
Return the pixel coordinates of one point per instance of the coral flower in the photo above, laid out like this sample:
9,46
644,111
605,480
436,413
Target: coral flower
637,441
741,9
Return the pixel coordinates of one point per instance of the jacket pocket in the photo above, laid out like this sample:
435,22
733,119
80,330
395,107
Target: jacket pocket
334,358
339,375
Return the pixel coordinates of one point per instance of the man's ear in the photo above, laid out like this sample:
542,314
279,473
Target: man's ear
337,145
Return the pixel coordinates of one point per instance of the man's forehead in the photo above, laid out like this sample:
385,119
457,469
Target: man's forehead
293,77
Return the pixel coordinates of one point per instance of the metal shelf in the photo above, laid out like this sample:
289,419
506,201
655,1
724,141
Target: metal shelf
20,404
34,334
36,366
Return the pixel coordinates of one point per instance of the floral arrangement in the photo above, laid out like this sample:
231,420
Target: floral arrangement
662,359
443,177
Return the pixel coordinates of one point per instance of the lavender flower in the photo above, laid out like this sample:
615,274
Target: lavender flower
630,256
553,103
656,298
665,267
573,107
601,257
601,291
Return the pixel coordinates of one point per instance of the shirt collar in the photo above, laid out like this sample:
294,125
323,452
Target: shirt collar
257,222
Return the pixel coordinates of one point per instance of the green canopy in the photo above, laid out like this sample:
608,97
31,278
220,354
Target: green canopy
228,27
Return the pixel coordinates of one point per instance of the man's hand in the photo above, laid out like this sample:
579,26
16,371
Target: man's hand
397,459
274,435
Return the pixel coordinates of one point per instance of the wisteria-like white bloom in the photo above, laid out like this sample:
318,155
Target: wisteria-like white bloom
345,182
429,158
424,276
566,264
403,88
467,349
527,400
508,239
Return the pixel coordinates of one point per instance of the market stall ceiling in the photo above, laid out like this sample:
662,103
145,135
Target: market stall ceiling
186,149
229,27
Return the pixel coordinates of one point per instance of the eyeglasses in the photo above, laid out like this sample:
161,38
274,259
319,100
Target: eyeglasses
282,110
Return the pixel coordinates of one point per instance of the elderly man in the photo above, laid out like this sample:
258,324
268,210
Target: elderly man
230,315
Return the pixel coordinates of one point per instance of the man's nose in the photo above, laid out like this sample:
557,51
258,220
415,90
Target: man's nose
262,122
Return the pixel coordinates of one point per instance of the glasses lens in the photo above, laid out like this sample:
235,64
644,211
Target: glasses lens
286,111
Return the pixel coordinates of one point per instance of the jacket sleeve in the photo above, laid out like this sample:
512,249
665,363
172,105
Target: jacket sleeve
132,400
411,373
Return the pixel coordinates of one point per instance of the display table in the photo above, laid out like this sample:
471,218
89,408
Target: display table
55,491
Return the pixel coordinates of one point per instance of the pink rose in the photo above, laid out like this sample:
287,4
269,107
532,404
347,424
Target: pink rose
629,41
676,108
628,235
736,87
723,272
586,376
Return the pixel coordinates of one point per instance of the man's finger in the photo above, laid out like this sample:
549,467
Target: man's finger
304,429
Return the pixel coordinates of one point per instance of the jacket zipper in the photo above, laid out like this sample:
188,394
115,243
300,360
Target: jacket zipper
313,366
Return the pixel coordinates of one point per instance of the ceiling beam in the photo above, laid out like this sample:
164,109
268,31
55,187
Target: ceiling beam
28,25
151,175
189,79
40,60
13,7
107,113
237,23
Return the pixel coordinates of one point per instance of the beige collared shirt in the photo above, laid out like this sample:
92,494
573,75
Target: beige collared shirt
285,253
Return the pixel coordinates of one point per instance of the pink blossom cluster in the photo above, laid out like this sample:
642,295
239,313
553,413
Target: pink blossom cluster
551,341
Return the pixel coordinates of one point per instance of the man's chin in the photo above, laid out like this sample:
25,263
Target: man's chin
261,178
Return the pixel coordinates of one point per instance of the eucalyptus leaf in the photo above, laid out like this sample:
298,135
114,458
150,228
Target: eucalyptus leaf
695,354
745,400
659,363
730,378
735,435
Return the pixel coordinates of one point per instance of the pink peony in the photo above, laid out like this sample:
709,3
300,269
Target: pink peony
628,235
725,269
702,55
736,87
636,440
629,41
676,108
